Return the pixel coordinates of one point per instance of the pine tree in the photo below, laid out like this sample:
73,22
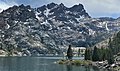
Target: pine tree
104,53
95,55
88,54
100,54
69,53
110,57
79,52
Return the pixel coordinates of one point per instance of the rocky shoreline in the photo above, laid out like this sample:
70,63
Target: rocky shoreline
105,65
101,65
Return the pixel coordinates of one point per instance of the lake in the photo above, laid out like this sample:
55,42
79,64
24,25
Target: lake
38,64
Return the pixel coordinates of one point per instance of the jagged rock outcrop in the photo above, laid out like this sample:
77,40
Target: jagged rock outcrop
46,29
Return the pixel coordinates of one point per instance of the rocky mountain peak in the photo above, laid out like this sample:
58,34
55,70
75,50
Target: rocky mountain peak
19,13
1,10
61,5
77,8
80,9
51,5
56,10
48,28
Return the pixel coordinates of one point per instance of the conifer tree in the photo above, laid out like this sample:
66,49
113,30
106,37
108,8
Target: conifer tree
95,55
88,54
110,57
69,53
78,52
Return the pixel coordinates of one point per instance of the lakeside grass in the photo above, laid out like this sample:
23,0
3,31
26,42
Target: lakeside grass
75,62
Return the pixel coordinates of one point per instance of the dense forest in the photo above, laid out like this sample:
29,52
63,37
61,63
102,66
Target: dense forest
108,53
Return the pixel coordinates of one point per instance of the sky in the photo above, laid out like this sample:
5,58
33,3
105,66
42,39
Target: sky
95,8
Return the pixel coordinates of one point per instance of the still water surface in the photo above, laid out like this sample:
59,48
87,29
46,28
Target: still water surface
38,64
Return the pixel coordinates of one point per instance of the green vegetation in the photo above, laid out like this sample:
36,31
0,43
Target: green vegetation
69,53
88,54
61,61
82,62
75,62
99,54
9,49
110,57
95,56
79,52
115,44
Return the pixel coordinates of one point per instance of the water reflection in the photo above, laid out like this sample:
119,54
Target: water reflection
18,64
95,68
87,68
37,64
69,67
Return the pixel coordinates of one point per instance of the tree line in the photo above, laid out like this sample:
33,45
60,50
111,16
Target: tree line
101,54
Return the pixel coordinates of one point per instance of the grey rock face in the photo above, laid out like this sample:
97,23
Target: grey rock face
47,29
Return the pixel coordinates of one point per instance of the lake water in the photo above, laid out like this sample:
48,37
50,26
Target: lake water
38,64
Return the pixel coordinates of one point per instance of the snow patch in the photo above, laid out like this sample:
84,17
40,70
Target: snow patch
16,21
28,26
51,13
46,12
67,12
26,23
81,32
36,14
50,27
16,32
106,26
91,32
93,19
46,35
8,26
82,10
99,26
68,28
37,17
104,23
29,10
82,17
44,23
78,19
